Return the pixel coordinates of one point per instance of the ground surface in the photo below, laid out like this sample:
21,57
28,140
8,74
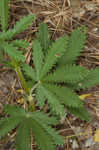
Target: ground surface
62,16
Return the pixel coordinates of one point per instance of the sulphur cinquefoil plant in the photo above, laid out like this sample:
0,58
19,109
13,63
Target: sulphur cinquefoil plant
55,78
30,124
55,74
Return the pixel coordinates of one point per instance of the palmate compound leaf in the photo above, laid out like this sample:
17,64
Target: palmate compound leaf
55,51
38,123
55,105
28,123
43,36
68,73
4,14
8,124
19,27
76,43
65,95
23,136
38,58
13,52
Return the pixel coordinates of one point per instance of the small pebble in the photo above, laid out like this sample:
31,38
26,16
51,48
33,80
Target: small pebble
89,142
75,144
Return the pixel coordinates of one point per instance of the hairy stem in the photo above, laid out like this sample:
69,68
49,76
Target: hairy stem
22,80
24,85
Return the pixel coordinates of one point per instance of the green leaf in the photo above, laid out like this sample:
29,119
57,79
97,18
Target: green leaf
56,50
76,43
45,121
37,58
4,14
44,118
91,80
40,96
8,124
65,95
13,52
6,64
19,27
68,73
20,43
1,54
29,71
43,36
41,135
58,139
23,24
23,136
53,101
82,113
14,110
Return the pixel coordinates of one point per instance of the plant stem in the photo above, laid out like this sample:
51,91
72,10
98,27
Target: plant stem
22,80
23,83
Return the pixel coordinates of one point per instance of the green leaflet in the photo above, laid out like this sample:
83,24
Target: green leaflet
20,43
45,121
82,113
44,118
19,27
37,58
43,36
58,140
8,124
14,110
29,71
41,135
53,101
23,136
91,80
65,95
40,96
56,50
1,54
68,73
23,24
76,43
13,52
4,14
7,64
